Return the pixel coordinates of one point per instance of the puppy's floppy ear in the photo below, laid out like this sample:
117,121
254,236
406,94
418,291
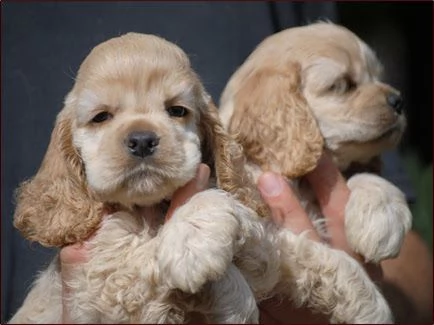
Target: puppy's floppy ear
54,208
274,123
226,159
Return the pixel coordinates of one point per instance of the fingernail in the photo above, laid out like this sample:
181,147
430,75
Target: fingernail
202,177
270,184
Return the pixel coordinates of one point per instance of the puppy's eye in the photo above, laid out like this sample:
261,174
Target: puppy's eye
101,117
177,111
342,86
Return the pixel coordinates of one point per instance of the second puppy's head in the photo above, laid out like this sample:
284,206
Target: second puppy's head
309,87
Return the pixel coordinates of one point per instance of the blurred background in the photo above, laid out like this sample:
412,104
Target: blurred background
401,34
44,43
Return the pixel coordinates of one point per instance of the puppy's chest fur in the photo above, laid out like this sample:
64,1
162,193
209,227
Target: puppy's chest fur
121,258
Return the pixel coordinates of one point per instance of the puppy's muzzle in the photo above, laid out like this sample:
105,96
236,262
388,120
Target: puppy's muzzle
142,144
395,101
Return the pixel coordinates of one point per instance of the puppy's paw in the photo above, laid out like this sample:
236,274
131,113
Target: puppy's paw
329,281
198,243
232,300
377,217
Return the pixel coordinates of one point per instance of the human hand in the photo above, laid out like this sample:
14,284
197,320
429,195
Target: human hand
332,193
76,254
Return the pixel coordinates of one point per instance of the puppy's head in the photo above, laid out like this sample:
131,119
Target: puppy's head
134,128
321,81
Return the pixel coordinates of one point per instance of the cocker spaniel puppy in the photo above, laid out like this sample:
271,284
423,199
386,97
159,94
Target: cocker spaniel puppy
314,88
134,128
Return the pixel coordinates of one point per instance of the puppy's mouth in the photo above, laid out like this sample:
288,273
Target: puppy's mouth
140,173
391,133
394,129
364,148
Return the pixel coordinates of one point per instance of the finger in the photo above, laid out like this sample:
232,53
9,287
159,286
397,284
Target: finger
332,193
73,254
375,271
284,205
70,256
197,184
280,310
330,188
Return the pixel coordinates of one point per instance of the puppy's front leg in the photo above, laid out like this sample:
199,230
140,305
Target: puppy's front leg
198,243
231,301
43,304
377,217
329,281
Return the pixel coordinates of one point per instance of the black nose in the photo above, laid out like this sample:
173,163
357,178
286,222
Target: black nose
142,144
395,101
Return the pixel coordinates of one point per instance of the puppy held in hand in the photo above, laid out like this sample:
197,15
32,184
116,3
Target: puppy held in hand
314,87
302,91
134,129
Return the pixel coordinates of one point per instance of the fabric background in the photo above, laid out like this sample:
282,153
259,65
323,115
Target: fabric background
43,45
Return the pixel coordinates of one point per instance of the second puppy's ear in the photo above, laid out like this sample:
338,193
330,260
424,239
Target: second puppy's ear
274,123
226,160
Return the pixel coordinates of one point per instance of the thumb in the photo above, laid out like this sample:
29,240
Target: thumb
183,194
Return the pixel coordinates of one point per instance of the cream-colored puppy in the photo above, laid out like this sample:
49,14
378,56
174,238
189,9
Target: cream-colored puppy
134,128
314,87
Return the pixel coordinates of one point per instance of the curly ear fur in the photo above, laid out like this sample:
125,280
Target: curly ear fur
226,160
274,124
54,208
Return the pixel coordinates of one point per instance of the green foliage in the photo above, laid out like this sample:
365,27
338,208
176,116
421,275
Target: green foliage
422,209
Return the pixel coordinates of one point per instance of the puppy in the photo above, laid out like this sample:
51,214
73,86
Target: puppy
314,88
134,128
